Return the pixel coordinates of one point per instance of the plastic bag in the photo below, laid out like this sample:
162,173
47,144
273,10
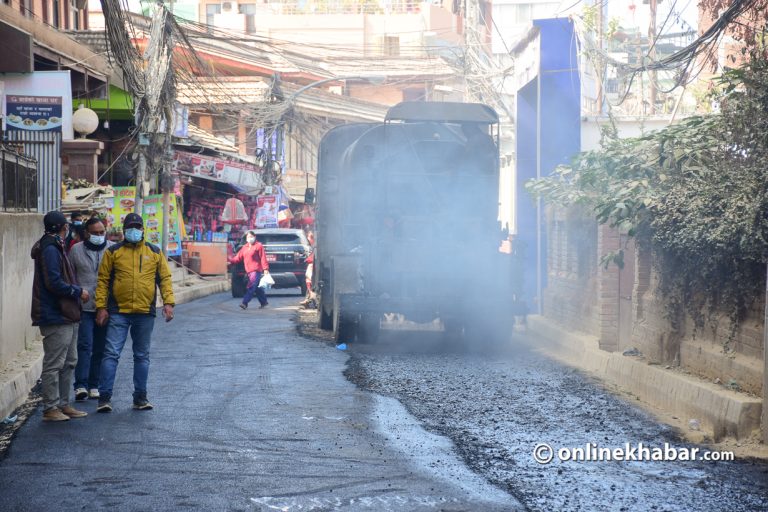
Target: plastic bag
266,282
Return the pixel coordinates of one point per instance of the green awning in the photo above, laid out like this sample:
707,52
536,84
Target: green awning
119,105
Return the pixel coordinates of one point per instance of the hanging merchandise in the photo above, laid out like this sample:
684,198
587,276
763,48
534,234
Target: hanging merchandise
234,212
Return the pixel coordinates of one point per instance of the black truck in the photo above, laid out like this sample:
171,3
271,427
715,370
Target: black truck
406,222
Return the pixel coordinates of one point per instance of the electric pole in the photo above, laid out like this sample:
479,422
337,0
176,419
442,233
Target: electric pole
652,56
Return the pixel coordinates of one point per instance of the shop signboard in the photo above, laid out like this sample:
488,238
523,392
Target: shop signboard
38,101
266,212
242,174
33,112
123,203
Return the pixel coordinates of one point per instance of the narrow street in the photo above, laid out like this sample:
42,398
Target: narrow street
252,415
248,416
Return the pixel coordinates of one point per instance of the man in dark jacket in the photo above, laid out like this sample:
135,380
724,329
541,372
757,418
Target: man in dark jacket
56,300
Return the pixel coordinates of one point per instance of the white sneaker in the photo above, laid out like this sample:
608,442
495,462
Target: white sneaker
93,393
81,394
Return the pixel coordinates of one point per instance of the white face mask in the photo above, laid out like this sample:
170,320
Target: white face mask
97,239
250,239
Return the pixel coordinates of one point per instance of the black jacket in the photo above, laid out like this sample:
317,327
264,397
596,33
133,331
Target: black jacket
55,292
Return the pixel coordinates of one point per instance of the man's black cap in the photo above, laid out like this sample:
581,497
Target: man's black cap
133,219
54,221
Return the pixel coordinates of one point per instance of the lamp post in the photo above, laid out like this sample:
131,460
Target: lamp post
374,80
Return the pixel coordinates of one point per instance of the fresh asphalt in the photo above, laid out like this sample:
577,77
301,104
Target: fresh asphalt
248,416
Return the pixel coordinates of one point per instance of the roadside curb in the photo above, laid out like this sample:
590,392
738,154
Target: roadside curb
721,412
18,377
189,293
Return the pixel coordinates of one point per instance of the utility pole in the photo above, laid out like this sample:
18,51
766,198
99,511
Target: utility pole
764,419
600,61
652,55
166,181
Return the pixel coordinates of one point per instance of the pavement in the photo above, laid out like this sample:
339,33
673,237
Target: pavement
249,415
500,406
21,374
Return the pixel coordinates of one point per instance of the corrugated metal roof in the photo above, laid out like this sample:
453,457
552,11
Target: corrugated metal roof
223,91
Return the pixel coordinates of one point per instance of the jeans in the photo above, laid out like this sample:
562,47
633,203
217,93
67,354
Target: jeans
253,288
90,349
59,360
140,326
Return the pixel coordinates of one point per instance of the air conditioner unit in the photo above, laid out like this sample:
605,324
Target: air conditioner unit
388,46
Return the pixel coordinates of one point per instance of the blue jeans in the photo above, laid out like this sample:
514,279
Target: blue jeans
253,288
140,326
90,349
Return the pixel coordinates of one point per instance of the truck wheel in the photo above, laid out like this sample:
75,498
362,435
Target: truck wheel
344,327
370,328
238,287
326,319
303,286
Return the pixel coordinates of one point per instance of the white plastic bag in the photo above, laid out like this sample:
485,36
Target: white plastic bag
266,282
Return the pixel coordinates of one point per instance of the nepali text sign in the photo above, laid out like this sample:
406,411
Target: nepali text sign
266,212
237,173
33,112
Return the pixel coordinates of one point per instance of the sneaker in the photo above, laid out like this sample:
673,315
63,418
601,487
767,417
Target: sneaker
243,306
54,414
93,393
104,406
264,305
72,412
81,394
142,404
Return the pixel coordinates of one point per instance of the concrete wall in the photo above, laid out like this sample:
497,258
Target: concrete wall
18,233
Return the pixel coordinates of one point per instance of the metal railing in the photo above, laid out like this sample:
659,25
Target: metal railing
18,181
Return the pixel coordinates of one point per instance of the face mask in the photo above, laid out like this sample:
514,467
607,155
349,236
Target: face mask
250,240
97,239
133,235
78,223
61,237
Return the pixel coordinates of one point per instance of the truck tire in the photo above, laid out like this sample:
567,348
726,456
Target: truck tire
303,286
370,328
238,287
325,319
344,327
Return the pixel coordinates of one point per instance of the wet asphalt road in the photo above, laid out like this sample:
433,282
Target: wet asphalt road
496,408
249,416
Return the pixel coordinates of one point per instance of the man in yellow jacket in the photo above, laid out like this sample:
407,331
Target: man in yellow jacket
126,293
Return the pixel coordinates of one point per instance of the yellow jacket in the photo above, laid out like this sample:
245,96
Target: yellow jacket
128,278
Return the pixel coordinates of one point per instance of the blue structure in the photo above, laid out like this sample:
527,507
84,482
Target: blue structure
548,134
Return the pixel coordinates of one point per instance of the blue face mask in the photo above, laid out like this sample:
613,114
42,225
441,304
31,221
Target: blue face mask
78,223
97,239
134,235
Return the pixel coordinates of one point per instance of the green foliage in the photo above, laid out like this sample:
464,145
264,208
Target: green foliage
696,193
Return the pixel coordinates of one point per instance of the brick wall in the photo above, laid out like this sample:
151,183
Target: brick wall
571,293
583,296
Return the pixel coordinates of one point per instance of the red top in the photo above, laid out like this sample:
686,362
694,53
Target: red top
253,257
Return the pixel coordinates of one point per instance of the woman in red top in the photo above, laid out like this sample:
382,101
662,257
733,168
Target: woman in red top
254,259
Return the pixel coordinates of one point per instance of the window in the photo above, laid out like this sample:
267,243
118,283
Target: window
279,239
210,11
56,14
250,16
46,13
75,25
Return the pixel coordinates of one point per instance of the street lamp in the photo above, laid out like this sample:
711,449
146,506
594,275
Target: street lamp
374,80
